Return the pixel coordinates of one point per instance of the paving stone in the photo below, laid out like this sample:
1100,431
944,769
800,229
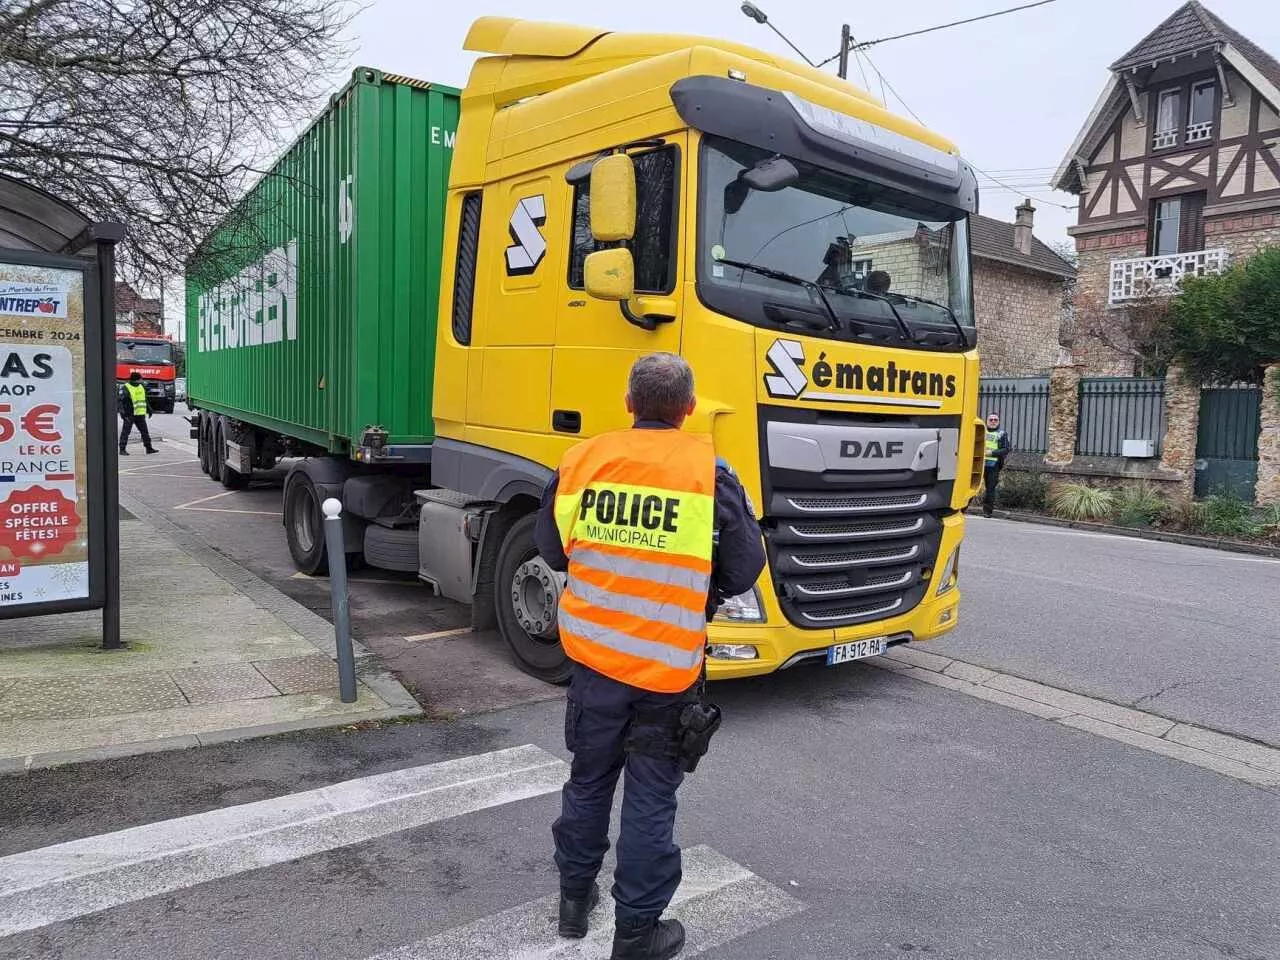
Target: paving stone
222,682
1178,751
969,671
1042,710
919,658
1232,748
40,698
300,674
1086,706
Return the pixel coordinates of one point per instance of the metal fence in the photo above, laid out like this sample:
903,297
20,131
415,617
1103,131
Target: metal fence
1115,409
1023,405
1227,439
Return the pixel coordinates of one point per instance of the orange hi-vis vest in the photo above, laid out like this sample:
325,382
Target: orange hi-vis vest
636,512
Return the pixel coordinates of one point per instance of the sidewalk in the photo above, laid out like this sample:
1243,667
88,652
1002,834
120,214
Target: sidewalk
214,654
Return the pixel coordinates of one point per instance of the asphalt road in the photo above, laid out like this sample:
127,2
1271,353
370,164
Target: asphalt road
1185,632
842,814
884,819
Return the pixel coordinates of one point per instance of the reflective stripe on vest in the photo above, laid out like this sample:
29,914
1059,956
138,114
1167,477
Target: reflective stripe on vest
993,444
636,510
138,397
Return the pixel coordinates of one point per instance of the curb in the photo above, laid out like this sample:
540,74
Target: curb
1137,533
1242,759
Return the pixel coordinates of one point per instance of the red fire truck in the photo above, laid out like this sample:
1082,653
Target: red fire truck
153,356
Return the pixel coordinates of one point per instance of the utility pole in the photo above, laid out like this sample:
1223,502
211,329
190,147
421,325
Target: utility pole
843,71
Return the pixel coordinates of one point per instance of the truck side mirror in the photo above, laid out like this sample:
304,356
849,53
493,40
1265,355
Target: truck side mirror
613,198
610,274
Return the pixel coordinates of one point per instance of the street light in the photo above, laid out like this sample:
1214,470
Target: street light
759,16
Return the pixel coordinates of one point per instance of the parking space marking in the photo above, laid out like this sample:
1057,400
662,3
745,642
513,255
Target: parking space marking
439,635
194,506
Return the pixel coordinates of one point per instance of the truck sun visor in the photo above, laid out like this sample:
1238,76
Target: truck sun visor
794,127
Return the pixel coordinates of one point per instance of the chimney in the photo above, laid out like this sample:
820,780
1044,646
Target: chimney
1024,218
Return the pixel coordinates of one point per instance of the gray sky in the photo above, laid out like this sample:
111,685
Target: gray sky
1012,92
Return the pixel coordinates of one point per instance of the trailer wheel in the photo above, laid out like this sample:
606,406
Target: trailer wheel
521,597
206,445
304,526
229,478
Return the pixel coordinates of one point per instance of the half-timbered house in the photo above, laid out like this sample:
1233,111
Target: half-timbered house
1177,169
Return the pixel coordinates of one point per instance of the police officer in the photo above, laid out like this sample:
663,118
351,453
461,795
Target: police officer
134,410
998,448
631,516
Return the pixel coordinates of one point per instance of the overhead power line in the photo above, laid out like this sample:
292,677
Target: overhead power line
885,83
942,26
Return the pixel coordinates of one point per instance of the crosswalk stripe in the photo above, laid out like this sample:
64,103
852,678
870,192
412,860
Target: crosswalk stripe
718,901
68,880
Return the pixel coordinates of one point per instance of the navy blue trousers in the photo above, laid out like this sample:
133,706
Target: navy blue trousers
598,718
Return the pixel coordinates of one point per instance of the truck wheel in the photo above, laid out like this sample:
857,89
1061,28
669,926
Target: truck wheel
231,479
166,407
304,526
526,594
391,549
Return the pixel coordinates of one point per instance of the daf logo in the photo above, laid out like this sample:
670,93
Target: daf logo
871,450
530,246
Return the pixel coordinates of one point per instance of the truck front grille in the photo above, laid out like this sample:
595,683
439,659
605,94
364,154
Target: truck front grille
849,557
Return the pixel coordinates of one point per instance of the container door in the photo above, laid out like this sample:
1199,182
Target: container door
595,344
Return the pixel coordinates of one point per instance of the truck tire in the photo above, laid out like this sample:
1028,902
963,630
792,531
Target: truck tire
540,657
229,478
204,445
304,526
166,407
387,548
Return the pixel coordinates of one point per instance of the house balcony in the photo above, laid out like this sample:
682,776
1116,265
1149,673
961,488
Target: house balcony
1139,278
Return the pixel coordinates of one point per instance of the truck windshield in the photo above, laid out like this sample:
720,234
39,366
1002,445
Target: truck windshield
143,351
831,255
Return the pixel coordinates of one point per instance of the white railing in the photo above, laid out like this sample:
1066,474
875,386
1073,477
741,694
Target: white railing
1199,132
1160,276
1164,138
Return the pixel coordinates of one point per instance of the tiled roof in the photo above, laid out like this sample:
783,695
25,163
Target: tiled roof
1193,27
993,240
128,300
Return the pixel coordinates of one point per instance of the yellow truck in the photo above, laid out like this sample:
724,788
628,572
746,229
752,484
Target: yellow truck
609,195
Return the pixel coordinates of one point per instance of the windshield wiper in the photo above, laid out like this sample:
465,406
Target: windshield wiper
859,292
787,278
964,337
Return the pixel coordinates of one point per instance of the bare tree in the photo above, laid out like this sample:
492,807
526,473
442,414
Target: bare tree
157,113
1137,334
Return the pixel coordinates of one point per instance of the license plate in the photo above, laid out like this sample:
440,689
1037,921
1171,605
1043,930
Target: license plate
856,650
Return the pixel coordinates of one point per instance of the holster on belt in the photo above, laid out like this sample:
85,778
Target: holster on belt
680,732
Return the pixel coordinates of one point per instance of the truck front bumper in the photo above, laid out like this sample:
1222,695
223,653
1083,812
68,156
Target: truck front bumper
752,649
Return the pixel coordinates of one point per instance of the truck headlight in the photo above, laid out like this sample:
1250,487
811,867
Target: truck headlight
950,573
744,608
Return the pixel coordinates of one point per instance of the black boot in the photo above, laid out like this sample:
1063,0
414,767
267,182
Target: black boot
124,452
654,940
574,913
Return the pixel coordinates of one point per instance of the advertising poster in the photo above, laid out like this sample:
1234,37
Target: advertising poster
44,519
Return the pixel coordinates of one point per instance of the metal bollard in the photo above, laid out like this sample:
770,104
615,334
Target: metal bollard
341,608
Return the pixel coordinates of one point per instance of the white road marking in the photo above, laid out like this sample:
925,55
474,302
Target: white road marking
193,506
69,880
350,579
439,635
718,901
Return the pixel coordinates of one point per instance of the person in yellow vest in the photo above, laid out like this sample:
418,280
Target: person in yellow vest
998,450
134,410
654,532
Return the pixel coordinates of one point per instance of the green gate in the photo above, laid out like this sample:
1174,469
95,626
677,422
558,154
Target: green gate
1227,440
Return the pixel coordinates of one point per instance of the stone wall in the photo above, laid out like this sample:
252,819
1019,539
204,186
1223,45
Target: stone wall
1064,413
1019,314
1182,422
1243,234
1093,288
1267,492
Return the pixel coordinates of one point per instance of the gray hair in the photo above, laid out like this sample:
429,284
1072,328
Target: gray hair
660,387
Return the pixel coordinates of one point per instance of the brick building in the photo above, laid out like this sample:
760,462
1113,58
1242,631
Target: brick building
1018,295
135,313
1178,173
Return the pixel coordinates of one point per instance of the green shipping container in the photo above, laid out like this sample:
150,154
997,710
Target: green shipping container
311,311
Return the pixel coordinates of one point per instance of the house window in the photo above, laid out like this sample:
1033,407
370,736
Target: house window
1200,120
1168,119
653,244
861,268
1177,225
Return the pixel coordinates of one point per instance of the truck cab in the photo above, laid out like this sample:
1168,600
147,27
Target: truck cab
805,250
154,357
